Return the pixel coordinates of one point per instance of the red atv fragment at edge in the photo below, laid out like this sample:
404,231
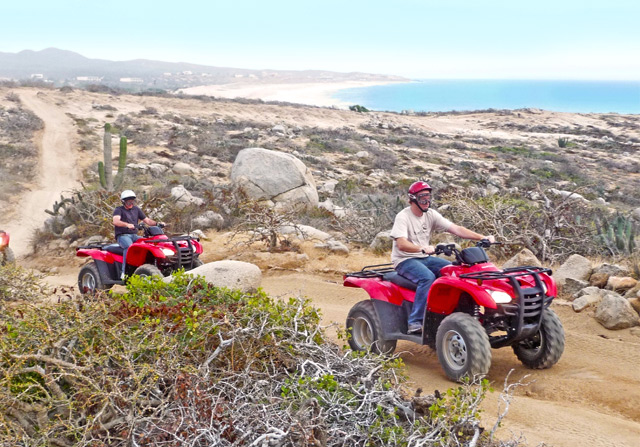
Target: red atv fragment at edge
154,254
472,307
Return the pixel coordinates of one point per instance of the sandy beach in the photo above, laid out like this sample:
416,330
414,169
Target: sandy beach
315,94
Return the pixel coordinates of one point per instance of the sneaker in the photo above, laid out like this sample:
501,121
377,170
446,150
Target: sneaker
414,328
122,277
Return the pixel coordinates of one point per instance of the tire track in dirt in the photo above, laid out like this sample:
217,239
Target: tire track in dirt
56,170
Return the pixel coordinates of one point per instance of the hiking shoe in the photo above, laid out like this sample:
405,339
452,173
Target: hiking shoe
414,328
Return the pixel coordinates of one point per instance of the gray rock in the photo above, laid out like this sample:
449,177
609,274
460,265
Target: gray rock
576,267
572,286
157,169
334,246
184,198
181,168
588,291
382,242
70,232
305,232
579,304
615,312
275,176
522,258
362,154
210,219
230,274
279,128
612,270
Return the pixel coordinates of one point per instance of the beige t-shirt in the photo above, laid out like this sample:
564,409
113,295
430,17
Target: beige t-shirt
417,229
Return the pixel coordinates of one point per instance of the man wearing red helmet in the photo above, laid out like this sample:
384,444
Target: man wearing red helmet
411,235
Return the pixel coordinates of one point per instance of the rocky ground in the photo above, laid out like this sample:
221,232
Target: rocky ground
588,398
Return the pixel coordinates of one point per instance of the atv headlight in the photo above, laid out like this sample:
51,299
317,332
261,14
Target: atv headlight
168,251
499,297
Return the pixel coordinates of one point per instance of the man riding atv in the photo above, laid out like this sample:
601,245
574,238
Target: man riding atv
125,221
411,235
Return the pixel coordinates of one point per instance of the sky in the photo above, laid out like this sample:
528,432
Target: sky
418,39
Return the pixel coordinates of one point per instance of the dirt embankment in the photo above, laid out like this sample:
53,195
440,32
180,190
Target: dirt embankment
590,398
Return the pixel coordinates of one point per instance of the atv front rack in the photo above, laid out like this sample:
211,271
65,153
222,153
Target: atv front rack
527,307
184,256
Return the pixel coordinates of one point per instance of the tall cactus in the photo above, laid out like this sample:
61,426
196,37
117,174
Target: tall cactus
108,158
122,161
105,169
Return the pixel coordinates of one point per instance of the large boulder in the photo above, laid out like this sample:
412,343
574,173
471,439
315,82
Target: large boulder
576,267
522,258
615,312
209,219
269,175
230,274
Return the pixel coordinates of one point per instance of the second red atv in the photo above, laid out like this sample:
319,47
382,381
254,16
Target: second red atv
472,307
154,254
6,254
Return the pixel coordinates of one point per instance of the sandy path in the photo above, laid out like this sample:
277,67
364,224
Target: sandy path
57,172
590,398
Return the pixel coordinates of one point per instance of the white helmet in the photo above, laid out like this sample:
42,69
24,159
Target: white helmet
127,194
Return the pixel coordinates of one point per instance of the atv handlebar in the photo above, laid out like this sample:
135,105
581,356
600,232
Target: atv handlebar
450,249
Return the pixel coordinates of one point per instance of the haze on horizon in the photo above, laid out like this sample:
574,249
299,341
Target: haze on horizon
570,39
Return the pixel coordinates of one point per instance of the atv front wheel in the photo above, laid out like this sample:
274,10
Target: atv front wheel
364,329
463,347
89,279
544,349
148,270
7,256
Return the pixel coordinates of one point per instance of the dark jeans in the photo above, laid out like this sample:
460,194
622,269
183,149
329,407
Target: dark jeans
423,272
125,241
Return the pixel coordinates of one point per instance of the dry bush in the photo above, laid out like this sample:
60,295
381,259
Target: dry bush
551,227
19,284
186,363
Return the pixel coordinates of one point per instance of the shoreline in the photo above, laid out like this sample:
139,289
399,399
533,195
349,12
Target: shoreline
312,93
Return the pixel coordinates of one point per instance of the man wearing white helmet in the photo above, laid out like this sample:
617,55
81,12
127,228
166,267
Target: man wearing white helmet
125,219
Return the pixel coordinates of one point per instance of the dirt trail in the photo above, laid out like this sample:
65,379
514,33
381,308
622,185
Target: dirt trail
56,169
590,398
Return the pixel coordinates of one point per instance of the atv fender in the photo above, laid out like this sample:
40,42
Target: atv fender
137,254
381,290
98,255
445,293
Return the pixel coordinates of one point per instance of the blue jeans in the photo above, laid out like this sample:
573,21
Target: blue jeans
125,241
423,272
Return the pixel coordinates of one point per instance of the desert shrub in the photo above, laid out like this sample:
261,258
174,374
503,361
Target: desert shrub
20,284
551,227
186,363
367,214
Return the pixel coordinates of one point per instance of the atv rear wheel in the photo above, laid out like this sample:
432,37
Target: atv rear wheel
148,270
7,256
463,347
544,349
364,329
89,279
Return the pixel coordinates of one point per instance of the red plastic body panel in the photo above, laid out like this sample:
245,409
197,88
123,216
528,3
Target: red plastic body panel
100,255
446,290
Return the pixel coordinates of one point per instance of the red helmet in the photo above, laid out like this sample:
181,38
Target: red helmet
416,187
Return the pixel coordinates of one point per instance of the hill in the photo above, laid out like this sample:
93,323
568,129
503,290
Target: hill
62,67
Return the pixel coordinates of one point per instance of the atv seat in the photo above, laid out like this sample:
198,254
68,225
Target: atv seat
114,248
399,280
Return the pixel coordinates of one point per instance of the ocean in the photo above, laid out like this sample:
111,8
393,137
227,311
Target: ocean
459,95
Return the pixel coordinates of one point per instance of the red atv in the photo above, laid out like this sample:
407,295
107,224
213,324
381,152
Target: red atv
6,254
155,254
472,307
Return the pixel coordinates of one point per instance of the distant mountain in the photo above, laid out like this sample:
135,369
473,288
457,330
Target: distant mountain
63,67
